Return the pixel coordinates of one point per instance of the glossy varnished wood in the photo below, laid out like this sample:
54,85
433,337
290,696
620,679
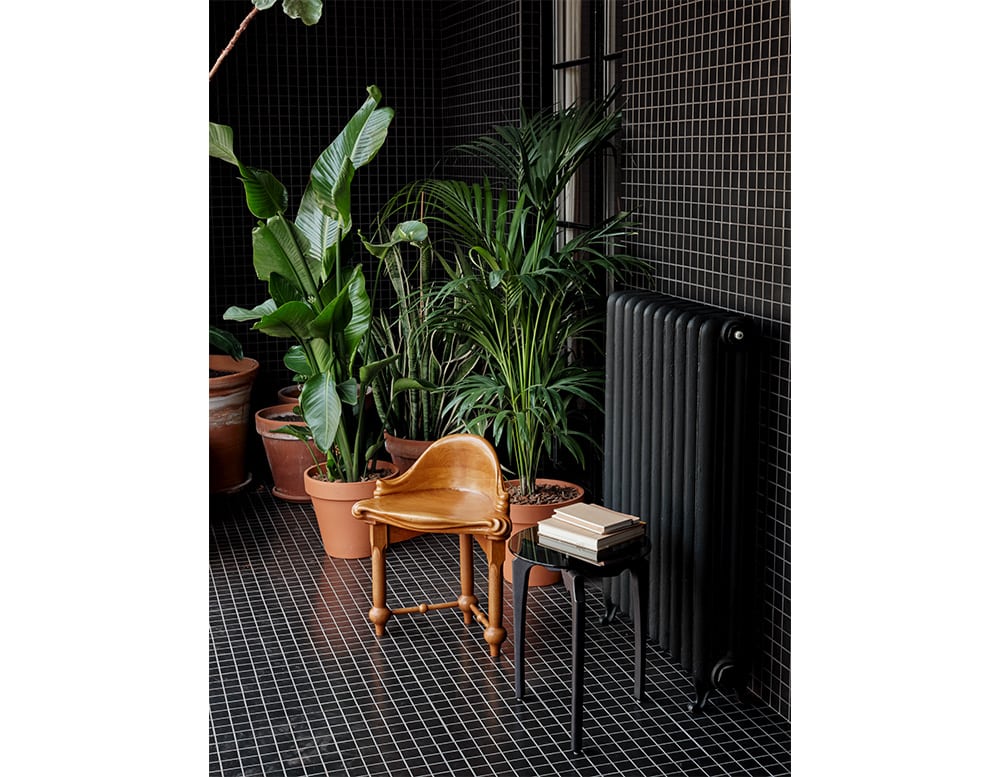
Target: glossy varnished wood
455,487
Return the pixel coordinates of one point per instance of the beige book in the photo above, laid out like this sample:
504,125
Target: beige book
596,518
559,529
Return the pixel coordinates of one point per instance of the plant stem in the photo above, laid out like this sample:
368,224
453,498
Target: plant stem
227,49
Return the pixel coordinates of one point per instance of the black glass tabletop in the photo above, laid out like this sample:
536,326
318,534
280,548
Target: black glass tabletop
607,562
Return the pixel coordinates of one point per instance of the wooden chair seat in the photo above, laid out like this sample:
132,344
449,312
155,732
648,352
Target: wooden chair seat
455,487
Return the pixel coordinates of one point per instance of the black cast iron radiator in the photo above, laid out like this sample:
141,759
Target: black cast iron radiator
676,450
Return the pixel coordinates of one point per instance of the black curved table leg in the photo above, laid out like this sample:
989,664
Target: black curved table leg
640,605
519,580
579,626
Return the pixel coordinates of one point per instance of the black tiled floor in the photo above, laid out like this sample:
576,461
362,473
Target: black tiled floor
299,685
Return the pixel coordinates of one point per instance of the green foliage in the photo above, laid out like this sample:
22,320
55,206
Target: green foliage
314,300
524,292
225,341
425,361
309,11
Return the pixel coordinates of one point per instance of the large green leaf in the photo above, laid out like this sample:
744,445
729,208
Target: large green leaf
265,195
354,147
220,143
321,407
235,313
361,312
225,342
297,361
320,229
347,318
309,11
293,319
277,249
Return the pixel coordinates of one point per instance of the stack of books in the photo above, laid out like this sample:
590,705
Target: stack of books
591,532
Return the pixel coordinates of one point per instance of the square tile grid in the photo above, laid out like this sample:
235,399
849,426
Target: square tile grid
299,684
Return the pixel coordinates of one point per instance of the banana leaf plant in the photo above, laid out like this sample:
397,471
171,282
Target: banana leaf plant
315,299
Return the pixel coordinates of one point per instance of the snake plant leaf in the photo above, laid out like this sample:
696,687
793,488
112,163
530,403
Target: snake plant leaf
279,248
265,195
370,371
406,384
321,407
293,319
354,147
236,313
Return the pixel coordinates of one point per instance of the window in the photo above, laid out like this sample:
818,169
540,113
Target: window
585,69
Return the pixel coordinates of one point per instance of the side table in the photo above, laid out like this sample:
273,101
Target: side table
527,553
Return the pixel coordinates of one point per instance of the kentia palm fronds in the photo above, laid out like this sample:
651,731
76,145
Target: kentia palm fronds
524,293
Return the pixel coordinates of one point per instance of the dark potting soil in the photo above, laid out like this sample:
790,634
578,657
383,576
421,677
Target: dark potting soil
379,473
220,373
544,495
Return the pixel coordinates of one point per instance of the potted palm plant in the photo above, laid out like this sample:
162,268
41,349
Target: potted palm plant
323,306
527,294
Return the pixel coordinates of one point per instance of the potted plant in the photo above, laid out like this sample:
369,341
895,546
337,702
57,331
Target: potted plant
230,381
288,454
527,294
423,361
323,305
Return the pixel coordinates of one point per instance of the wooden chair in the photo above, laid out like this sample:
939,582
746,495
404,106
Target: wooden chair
455,487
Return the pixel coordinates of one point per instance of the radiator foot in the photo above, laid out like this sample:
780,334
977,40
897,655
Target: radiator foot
724,675
701,693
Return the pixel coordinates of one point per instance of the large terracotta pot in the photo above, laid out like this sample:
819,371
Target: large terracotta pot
287,456
228,421
344,536
403,452
524,516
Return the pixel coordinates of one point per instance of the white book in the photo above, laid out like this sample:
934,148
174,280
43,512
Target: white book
596,557
596,518
556,528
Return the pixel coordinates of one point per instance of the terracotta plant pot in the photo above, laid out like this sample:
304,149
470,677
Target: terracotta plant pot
287,456
228,421
344,536
404,452
524,516
289,394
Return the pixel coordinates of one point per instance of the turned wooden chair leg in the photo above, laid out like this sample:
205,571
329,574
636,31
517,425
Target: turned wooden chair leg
495,633
468,596
379,613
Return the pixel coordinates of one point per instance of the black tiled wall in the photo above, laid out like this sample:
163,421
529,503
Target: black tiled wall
490,55
706,169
